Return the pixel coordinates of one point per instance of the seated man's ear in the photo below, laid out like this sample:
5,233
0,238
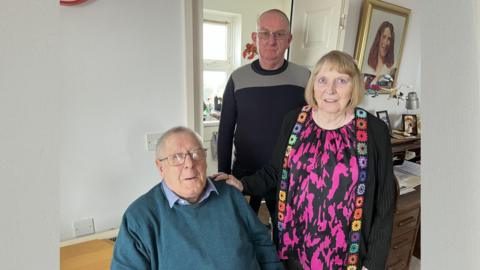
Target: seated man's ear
160,167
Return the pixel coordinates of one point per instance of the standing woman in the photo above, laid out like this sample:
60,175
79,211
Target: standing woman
332,167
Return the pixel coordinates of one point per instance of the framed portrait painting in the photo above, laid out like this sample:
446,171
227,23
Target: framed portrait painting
380,41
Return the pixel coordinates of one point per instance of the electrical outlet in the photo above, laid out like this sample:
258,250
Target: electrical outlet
84,227
151,140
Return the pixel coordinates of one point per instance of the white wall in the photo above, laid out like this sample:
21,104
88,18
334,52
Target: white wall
451,132
409,73
122,70
29,109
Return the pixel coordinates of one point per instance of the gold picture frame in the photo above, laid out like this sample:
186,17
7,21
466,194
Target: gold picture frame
379,45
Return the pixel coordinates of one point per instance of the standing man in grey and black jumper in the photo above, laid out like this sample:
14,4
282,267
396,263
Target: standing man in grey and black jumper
256,99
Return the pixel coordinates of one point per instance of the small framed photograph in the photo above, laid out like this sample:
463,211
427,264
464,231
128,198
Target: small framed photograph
409,123
383,115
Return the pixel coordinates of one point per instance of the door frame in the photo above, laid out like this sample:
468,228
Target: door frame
193,81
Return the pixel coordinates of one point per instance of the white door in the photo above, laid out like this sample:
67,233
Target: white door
317,28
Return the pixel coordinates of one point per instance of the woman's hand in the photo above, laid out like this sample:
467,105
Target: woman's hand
230,179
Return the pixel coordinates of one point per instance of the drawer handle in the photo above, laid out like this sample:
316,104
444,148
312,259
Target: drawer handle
406,221
401,243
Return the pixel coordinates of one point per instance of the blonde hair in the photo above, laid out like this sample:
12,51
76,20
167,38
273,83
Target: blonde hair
342,63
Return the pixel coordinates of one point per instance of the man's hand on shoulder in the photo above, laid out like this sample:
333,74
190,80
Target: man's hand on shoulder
229,179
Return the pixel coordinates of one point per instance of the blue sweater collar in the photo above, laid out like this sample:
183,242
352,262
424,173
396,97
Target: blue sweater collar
174,198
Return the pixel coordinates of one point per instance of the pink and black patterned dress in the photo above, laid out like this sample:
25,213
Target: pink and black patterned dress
323,176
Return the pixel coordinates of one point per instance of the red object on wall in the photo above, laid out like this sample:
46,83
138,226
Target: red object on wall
72,2
250,51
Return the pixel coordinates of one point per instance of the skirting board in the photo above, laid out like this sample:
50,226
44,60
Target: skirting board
110,234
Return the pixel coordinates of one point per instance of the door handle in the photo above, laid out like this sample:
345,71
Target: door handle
401,243
213,145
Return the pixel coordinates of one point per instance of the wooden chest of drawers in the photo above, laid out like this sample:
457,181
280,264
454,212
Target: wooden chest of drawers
405,228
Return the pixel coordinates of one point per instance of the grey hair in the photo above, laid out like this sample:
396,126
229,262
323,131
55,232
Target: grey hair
277,11
160,146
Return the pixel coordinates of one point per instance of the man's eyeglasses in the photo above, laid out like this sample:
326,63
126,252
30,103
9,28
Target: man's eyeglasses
179,158
276,35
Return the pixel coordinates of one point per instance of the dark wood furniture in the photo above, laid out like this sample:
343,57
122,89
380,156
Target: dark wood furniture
400,146
406,221
405,227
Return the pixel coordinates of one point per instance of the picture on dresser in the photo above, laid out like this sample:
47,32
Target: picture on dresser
383,115
409,123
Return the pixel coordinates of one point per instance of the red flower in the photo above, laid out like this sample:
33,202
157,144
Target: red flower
359,201
250,51
361,135
352,259
358,213
361,123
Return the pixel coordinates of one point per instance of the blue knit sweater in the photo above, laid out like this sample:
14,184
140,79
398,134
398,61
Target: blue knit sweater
221,232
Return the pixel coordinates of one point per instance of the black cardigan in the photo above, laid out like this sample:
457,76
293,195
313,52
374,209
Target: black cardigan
380,192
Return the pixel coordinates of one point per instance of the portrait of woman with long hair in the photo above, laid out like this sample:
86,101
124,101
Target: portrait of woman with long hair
381,59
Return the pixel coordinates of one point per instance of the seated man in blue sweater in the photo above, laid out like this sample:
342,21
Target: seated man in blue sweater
188,221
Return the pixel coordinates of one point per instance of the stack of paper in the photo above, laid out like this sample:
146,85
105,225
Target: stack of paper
409,168
408,176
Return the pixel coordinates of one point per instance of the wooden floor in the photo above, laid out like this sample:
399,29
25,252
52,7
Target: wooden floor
263,214
91,255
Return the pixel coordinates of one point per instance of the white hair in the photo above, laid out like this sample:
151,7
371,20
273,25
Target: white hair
160,146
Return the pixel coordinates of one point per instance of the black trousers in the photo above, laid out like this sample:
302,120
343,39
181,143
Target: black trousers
292,264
